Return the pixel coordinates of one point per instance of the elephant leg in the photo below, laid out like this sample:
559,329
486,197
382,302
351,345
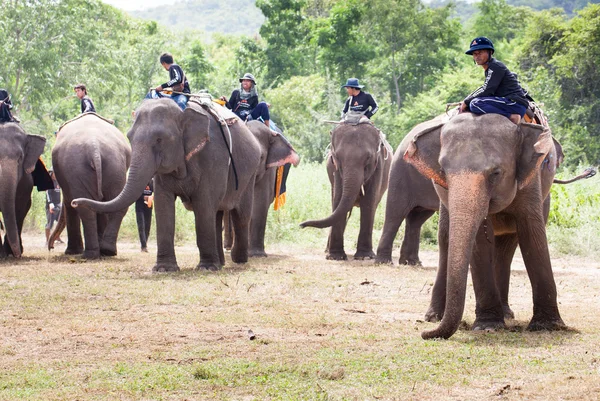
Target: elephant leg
164,209
531,230
206,234
506,246
108,242
438,294
335,243
409,252
219,229
74,238
368,206
488,309
394,216
263,196
241,226
90,233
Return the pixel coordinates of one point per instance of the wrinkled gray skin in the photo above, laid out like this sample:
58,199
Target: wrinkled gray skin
19,153
410,196
493,185
358,159
90,160
275,151
186,154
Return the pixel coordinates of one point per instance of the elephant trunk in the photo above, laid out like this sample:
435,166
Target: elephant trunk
351,183
140,173
468,205
8,183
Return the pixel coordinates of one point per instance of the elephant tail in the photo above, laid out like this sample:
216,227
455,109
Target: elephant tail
97,167
587,173
58,229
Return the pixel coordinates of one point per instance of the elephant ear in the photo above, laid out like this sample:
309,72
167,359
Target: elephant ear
34,147
423,150
536,143
560,156
195,127
281,152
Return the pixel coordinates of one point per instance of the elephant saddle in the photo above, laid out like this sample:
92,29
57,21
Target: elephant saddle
111,122
221,113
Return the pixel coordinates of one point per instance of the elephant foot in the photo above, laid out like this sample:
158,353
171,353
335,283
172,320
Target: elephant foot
337,256
110,252
433,316
212,267
383,258
239,257
488,325
409,261
257,253
91,254
547,325
73,251
364,255
508,313
165,267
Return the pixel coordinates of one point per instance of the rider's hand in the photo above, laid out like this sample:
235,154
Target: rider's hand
159,88
462,107
223,98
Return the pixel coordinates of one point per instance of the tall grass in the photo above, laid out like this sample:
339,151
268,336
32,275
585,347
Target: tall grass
573,225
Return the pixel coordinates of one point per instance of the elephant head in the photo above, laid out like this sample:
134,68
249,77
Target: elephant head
163,140
19,153
276,150
356,152
478,164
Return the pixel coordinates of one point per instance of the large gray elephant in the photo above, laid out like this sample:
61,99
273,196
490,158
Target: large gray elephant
358,169
187,152
19,153
90,159
278,151
410,196
493,179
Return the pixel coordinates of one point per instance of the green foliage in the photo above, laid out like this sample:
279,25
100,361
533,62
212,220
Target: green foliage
499,21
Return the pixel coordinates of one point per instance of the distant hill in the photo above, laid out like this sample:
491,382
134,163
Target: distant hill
240,17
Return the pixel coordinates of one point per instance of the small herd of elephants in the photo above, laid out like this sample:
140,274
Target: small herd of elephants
489,178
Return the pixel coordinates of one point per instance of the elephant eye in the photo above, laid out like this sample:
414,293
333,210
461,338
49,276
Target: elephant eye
158,140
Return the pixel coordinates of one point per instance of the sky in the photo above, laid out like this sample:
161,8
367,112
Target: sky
130,5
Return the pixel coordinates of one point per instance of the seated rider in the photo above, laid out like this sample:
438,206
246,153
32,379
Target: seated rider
501,92
177,81
358,101
244,101
5,107
87,106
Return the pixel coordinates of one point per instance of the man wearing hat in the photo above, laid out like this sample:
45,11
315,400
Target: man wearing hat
358,101
244,101
501,92
53,205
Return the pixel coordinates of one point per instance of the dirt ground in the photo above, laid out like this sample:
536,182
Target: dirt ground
110,329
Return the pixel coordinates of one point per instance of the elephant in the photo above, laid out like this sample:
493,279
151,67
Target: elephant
493,179
188,153
278,147
410,196
90,159
358,168
19,153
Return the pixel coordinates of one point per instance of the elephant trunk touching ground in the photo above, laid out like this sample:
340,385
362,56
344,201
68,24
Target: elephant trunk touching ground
8,183
139,175
468,204
351,185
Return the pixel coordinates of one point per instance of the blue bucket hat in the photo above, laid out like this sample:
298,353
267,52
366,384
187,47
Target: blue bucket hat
353,83
480,43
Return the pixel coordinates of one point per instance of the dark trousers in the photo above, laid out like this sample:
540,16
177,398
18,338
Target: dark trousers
143,216
261,111
496,105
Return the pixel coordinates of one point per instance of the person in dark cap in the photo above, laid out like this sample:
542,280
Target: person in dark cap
87,106
53,205
501,92
244,101
358,101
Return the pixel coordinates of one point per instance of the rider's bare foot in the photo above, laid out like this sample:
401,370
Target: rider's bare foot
515,118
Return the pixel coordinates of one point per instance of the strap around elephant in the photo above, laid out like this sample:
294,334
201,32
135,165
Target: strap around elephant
235,174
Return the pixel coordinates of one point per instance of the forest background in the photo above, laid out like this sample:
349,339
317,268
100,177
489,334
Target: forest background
408,53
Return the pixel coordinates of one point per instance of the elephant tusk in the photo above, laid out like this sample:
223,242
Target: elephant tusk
362,190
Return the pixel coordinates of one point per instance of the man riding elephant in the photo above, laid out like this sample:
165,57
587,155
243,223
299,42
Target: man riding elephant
244,101
358,102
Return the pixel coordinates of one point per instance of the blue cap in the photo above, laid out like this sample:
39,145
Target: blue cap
480,43
353,83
